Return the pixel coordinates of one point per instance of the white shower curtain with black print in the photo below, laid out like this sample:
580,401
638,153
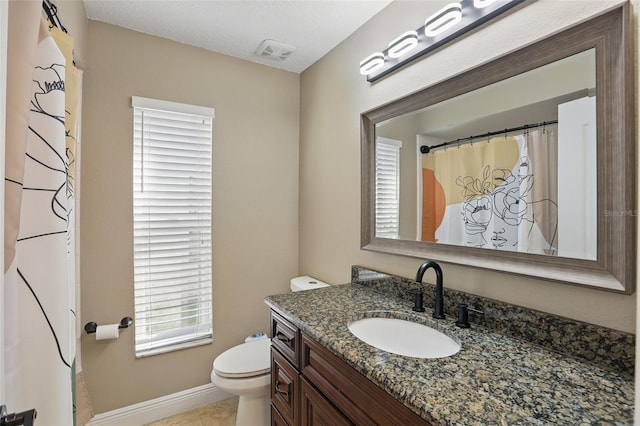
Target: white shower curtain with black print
498,194
39,258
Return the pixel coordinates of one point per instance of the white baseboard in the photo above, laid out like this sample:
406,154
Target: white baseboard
159,408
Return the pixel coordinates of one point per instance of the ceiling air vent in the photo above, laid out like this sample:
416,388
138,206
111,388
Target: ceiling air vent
273,49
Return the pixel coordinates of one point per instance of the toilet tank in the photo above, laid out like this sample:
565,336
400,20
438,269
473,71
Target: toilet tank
306,283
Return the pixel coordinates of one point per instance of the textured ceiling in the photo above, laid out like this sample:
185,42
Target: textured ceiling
237,27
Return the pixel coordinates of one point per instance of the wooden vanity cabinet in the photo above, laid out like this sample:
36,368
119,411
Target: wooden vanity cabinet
285,384
316,410
285,372
353,395
312,386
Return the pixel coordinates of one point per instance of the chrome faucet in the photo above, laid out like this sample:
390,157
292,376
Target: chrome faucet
438,310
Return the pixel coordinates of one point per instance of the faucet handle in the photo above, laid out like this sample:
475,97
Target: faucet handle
463,315
418,301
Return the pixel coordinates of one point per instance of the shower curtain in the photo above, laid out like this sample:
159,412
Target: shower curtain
39,207
499,193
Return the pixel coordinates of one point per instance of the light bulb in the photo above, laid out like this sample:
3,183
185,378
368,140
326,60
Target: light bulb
371,63
403,44
443,19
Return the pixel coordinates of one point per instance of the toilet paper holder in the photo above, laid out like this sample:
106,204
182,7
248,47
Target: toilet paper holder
91,327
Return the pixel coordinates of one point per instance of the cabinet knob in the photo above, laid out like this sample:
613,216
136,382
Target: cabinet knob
281,391
282,337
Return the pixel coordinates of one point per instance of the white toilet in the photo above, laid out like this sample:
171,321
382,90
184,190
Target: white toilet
244,370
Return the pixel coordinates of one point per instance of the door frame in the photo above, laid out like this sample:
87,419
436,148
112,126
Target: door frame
4,20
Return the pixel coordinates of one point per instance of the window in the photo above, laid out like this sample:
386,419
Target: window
171,225
387,188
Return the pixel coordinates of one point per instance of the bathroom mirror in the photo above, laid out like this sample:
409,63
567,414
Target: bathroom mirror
529,167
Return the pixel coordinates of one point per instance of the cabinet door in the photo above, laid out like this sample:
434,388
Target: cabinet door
277,419
316,410
284,387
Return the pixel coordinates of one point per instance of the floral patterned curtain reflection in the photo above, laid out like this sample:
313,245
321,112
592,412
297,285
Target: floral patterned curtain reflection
499,193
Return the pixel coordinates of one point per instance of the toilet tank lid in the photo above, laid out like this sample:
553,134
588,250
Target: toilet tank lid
306,283
244,360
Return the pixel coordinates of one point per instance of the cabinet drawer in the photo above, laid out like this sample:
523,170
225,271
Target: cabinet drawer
316,410
286,338
352,393
276,418
284,387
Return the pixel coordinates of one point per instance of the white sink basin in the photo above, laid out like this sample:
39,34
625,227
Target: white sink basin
403,337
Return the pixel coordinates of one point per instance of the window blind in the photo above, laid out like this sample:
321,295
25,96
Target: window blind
387,188
171,225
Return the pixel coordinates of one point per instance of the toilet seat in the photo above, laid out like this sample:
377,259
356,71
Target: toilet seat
245,360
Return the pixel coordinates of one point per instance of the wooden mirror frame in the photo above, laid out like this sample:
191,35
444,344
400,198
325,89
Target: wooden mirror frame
615,266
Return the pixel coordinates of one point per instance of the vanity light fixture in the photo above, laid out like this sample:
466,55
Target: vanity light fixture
479,4
403,44
451,21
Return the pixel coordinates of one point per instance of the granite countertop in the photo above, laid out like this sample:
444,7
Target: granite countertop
494,379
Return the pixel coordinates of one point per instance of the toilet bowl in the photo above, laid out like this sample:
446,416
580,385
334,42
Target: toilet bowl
244,370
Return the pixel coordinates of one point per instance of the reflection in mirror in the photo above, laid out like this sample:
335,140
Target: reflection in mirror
496,162
552,201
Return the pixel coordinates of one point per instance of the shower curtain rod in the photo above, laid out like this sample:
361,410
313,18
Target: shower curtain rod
425,149
52,13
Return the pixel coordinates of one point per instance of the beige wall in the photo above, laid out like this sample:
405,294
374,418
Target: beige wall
255,201
333,95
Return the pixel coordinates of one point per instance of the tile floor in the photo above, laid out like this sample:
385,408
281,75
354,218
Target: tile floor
222,413
84,410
